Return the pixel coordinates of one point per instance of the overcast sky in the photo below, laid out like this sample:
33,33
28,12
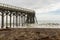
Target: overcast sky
45,9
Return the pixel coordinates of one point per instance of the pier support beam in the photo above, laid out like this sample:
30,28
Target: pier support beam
16,19
10,18
30,18
7,20
2,19
13,19
19,19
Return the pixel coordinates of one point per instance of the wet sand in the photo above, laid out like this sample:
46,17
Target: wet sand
30,34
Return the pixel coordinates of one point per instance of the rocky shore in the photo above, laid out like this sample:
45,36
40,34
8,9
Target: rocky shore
29,34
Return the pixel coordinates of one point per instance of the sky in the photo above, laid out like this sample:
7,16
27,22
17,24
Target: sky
45,9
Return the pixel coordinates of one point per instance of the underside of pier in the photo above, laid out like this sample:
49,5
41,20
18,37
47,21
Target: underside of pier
15,16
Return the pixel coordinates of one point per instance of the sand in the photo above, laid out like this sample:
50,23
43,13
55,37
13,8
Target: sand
29,34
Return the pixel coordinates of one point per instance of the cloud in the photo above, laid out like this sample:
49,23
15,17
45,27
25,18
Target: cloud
49,8
48,17
43,8
50,12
